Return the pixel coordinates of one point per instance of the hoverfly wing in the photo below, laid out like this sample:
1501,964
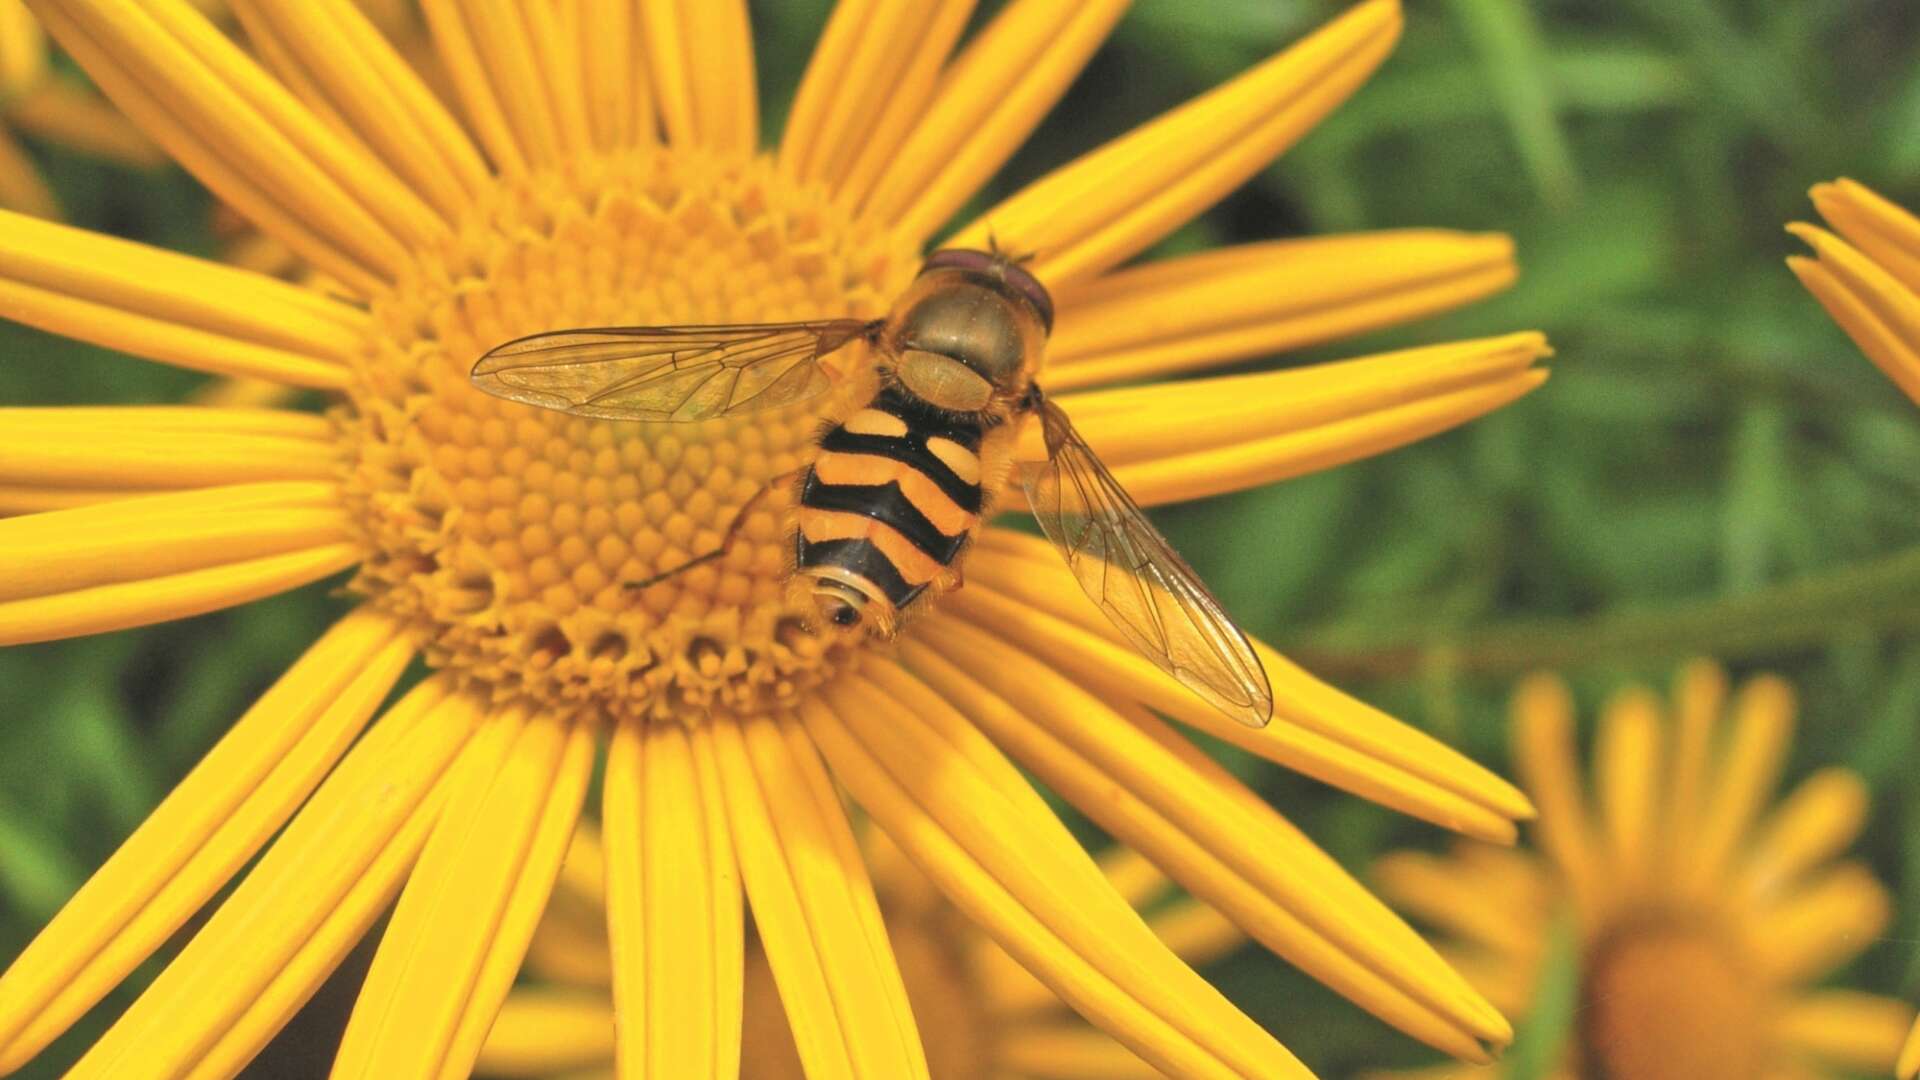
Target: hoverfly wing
668,373
1136,577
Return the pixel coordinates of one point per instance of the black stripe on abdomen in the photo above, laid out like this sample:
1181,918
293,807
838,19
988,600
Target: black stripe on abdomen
862,558
923,422
887,504
912,452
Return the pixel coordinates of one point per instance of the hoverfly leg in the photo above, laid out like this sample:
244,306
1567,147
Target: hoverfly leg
726,539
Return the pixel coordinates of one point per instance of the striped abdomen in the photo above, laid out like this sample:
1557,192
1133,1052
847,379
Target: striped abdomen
886,508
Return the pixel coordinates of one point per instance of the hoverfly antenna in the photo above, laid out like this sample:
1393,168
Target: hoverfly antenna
995,249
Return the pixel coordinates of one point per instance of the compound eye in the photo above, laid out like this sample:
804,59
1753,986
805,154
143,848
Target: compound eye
1015,275
1035,293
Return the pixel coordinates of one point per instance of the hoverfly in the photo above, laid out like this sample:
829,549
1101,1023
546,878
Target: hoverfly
901,483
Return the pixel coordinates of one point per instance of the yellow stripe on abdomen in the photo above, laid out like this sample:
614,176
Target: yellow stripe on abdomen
872,470
916,567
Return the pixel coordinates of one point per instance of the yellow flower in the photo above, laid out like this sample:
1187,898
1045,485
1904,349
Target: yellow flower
1698,916
37,102
1868,276
611,178
994,1018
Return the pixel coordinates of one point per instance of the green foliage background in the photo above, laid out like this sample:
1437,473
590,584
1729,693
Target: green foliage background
1713,469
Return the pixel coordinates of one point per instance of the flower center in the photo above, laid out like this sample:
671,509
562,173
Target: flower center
1669,999
508,534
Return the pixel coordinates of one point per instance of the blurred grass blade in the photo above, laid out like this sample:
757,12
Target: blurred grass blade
37,873
1539,1038
1513,55
1864,595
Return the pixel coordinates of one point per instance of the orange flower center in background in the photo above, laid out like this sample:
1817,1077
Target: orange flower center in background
506,533
1670,999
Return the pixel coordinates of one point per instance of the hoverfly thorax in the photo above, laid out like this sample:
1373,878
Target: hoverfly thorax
969,331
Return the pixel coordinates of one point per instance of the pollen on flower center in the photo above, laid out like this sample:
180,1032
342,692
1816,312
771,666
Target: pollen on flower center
507,533
1665,998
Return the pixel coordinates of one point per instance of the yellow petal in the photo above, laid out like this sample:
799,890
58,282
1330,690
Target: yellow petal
230,498
673,904
988,101
1229,304
1068,1052
814,906
1885,232
1448,1072
1909,1063
1144,784
74,116
972,824
22,188
23,50
1543,756
242,394
331,55
871,74
1507,981
1132,875
300,909
570,943
1201,474
555,39
700,54
172,308
206,828
1823,925
162,446
1627,766
1699,694
1320,732
1196,932
518,74
34,499
1756,751
457,935
1846,1029
1881,314
462,56
1163,421
904,106
245,136
345,924
544,1031
95,566
619,94
116,606
1443,893
1815,823
1116,201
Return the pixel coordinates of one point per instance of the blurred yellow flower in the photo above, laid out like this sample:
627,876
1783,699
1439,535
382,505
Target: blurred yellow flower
1697,917
612,177
37,102
1868,278
994,1019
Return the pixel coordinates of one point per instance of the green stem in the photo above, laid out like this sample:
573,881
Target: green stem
1878,595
